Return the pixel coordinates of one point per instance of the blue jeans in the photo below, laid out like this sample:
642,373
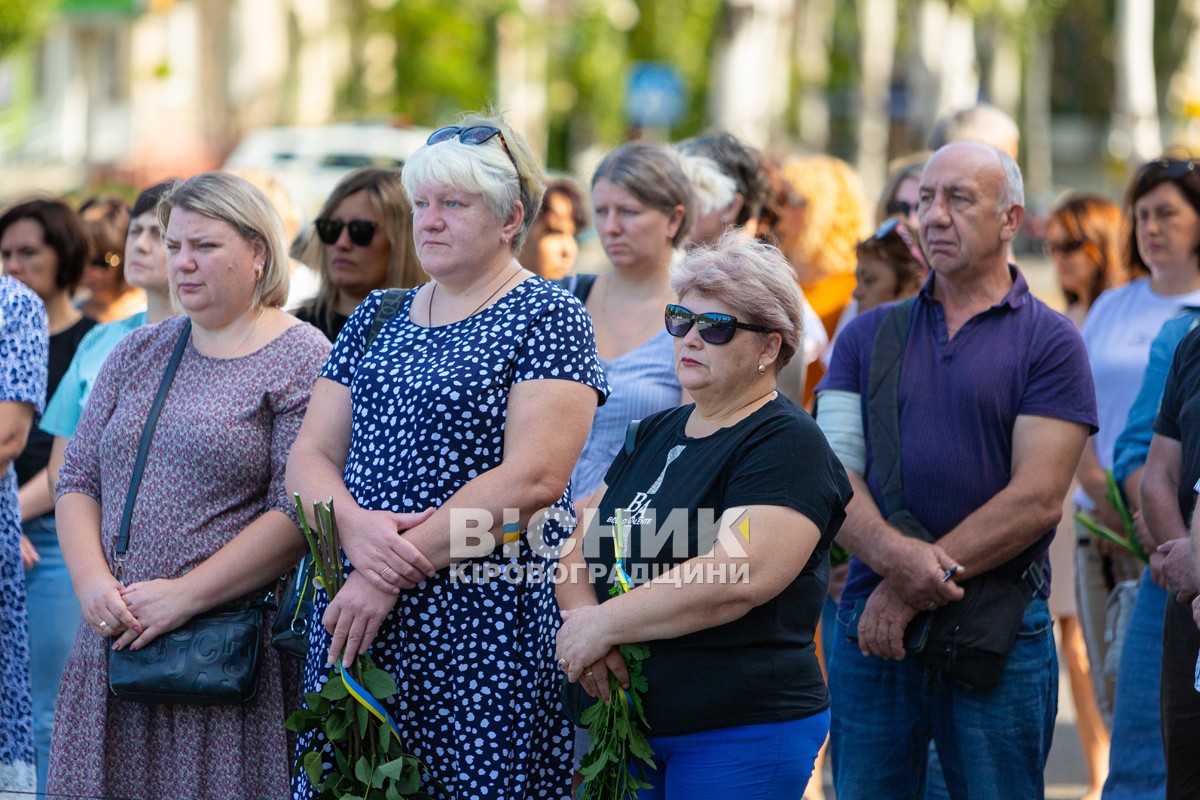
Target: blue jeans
1137,765
749,762
53,618
991,744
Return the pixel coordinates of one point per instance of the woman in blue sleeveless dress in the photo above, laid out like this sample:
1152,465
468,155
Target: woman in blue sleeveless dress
474,399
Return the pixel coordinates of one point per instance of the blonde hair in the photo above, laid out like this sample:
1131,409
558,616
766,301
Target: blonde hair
751,277
484,170
236,202
836,214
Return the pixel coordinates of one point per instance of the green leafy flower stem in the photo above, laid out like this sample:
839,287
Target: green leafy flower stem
369,760
616,764
1128,537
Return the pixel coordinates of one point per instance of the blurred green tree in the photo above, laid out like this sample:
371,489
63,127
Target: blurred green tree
23,21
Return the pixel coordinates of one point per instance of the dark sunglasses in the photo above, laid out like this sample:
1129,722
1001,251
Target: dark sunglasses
900,207
713,328
1062,248
896,227
361,231
1173,168
476,134
109,259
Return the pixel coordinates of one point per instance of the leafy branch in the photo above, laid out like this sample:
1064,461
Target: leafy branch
369,760
1128,537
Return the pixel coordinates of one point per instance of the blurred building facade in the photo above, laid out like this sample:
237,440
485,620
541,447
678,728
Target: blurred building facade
136,90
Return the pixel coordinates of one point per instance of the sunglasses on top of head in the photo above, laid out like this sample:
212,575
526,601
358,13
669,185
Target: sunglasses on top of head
713,328
361,231
1173,168
476,134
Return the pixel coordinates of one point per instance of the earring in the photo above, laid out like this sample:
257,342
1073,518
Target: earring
762,370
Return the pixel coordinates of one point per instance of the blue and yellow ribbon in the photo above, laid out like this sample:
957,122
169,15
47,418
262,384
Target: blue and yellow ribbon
360,693
619,559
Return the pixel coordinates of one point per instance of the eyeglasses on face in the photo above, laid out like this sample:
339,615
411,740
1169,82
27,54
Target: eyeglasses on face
713,328
901,208
361,231
109,259
1064,247
896,227
476,134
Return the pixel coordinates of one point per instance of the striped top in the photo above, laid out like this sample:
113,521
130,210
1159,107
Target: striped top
643,381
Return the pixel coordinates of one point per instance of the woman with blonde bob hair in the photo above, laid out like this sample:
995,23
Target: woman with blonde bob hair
763,494
362,241
474,399
212,527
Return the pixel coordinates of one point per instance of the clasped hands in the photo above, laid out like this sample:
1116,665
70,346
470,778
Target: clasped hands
586,653
384,563
137,614
914,580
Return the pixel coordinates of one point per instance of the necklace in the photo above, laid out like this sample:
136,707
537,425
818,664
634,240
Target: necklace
487,300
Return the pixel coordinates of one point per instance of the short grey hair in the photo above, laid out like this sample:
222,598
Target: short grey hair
980,123
235,201
751,277
484,170
1012,193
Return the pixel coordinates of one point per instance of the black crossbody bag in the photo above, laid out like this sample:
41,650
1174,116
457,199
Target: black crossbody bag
213,658
968,639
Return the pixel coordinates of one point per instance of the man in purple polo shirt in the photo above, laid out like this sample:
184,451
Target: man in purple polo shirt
995,404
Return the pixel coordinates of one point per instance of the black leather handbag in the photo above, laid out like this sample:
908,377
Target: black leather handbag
289,632
213,659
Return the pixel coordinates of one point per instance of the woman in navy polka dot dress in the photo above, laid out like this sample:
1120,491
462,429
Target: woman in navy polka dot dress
439,442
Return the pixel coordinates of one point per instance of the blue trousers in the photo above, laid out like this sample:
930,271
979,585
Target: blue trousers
53,619
749,762
1137,768
991,744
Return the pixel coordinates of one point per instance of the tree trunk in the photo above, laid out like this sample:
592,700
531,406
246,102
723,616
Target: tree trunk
749,88
1136,133
814,36
1039,180
877,58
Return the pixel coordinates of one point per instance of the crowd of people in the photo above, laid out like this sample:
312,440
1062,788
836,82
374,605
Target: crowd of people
770,369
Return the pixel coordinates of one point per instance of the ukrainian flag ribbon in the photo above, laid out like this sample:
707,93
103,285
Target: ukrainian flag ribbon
360,693
621,560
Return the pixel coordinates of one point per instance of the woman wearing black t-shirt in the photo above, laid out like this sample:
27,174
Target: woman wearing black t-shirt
723,513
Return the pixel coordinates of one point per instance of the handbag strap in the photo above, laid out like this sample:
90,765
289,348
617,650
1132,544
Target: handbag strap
388,306
122,545
883,403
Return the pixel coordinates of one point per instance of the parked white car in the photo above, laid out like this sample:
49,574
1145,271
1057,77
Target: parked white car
309,161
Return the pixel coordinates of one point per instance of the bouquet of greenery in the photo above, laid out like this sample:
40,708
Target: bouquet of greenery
615,766
1127,539
369,760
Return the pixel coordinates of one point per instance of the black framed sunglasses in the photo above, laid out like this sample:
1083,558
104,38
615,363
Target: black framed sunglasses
713,328
895,227
330,230
1062,248
476,134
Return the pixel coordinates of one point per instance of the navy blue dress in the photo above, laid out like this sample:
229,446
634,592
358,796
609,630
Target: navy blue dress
24,352
472,649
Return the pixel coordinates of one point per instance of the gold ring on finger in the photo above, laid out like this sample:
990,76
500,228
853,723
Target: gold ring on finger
386,570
